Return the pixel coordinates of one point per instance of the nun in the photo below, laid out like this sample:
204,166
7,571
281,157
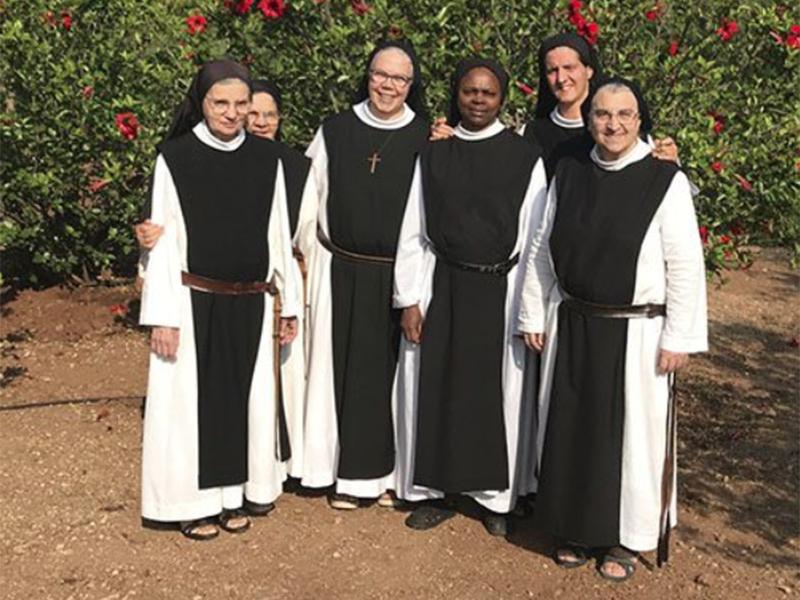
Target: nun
362,163
614,297
473,201
213,436
264,120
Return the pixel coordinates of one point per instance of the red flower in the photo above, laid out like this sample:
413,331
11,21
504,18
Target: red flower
673,48
575,5
87,92
703,234
49,18
242,6
793,37
717,166
592,33
651,15
272,9
96,184
724,239
66,20
719,122
118,310
727,30
743,183
360,7
736,230
128,125
525,88
196,24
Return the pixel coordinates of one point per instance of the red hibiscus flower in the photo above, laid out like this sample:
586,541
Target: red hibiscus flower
360,7
127,125
717,166
703,234
96,184
719,122
66,20
592,33
525,88
242,6
673,48
793,38
196,24
272,9
724,239
727,30
87,92
651,15
575,5
743,183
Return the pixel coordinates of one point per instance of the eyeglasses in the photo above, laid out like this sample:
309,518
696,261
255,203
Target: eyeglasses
625,116
220,107
398,81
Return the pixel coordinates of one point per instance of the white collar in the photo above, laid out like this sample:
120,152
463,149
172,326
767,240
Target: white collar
204,134
370,118
562,121
639,150
485,133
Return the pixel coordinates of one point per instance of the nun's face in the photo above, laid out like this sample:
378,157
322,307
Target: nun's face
479,98
390,76
225,107
567,76
614,121
263,118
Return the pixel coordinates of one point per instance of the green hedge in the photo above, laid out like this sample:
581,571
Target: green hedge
721,76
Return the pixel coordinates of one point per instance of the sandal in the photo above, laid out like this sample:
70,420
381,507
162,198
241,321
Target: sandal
428,516
622,557
389,500
577,559
191,529
228,515
254,509
343,501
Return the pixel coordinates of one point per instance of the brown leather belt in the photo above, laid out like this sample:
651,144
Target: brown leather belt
351,256
235,288
615,311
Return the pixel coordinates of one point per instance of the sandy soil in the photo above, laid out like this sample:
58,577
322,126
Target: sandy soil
73,374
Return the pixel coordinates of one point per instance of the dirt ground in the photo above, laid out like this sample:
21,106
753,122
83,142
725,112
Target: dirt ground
69,479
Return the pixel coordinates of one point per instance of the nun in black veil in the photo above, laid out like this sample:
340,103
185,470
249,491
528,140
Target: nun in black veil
213,441
362,162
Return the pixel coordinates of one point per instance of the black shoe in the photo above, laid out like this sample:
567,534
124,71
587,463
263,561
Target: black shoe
495,524
428,516
258,510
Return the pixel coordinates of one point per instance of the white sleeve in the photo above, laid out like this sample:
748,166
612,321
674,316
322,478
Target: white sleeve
306,231
539,276
318,154
411,247
162,283
686,324
280,248
536,201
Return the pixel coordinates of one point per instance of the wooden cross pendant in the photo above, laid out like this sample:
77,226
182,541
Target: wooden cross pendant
373,160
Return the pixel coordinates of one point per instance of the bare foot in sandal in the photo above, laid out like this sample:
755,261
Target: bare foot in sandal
618,564
201,529
234,521
570,556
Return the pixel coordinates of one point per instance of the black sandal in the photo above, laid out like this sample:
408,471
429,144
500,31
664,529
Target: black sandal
189,529
578,551
428,516
622,557
228,515
254,509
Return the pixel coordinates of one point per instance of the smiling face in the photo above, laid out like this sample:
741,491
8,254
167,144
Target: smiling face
614,121
567,76
390,76
479,98
263,118
225,106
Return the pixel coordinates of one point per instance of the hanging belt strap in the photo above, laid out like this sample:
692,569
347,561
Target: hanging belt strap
502,269
351,256
614,311
667,476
